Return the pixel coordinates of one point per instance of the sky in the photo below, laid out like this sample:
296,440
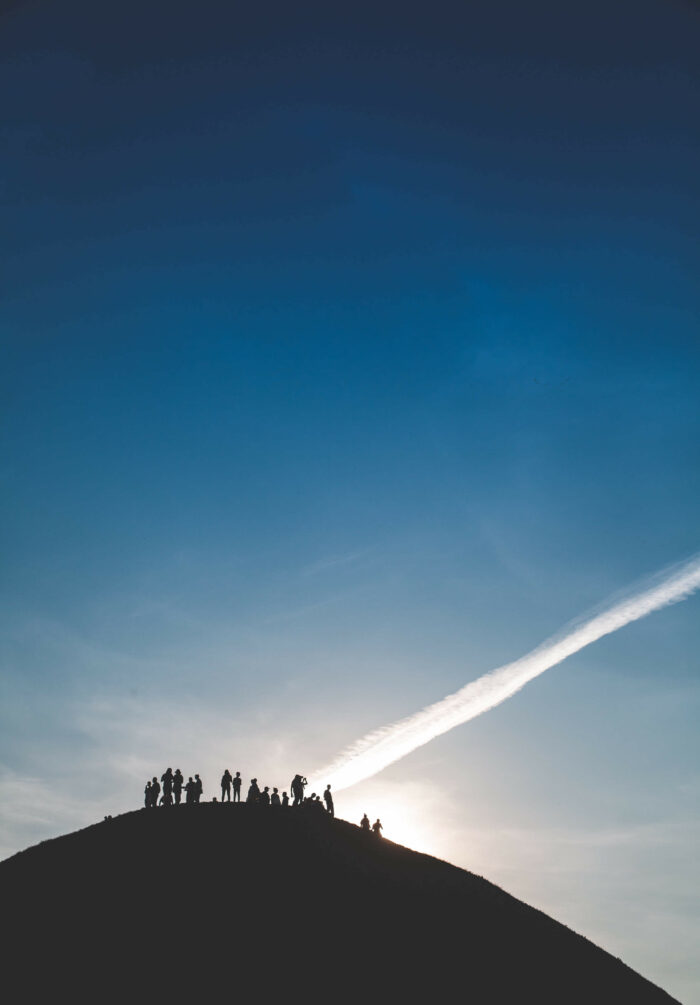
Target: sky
348,353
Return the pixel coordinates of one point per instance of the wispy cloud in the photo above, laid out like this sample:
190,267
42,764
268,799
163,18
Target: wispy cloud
332,563
34,808
303,610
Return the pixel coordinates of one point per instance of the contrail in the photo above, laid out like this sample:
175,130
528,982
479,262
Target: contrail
382,747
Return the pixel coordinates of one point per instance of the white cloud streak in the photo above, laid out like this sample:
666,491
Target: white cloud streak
384,746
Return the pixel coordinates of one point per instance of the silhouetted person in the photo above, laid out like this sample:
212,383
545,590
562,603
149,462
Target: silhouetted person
297,787
329,801
147,798
155,791
190,790
226,780
253,791
285,800
275,798
167,780
364,824
178,781
237,787
265,796
377,828
198,788
167,798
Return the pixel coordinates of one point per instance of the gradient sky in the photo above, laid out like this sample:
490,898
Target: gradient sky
348,352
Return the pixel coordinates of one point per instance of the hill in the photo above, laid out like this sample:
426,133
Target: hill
213,902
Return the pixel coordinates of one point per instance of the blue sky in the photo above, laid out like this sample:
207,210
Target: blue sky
347,355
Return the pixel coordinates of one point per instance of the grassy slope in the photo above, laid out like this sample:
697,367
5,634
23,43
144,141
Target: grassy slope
209,902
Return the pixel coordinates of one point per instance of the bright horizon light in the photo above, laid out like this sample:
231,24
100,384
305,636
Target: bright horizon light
407,813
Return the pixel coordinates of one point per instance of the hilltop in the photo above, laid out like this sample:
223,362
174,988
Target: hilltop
209,902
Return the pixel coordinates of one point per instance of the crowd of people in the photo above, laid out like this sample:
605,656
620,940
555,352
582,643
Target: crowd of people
173,786
168,792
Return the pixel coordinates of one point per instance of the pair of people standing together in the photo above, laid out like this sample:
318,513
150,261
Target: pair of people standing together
376,827
229,782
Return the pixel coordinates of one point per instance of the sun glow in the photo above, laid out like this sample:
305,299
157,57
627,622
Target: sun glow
406,812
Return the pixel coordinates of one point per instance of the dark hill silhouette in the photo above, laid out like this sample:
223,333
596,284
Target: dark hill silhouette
215,902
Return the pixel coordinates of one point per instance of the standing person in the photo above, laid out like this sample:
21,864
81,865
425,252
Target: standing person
253,791
364,824
297,787
178,782
265,796
275,798
237,787
155,791
226,780
167,780
285,800
377,828
328,798
190,790
199,788
147,802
